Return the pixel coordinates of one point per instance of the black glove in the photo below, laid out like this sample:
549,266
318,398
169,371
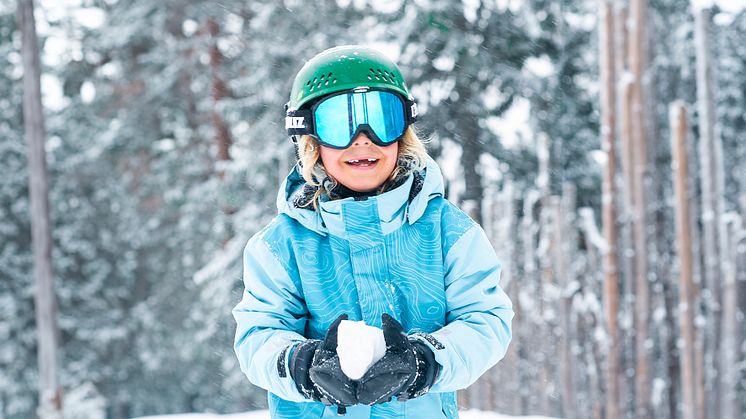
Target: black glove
315,368
300,363
407,370
326,372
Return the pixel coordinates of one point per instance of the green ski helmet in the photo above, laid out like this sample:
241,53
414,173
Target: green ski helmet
345,68
357,71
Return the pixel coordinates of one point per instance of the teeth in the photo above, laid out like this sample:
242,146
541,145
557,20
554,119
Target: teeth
371,160
358,161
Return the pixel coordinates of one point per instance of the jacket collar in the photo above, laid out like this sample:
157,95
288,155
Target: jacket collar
389,209
394,207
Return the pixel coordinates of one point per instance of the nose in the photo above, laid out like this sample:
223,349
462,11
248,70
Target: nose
361,139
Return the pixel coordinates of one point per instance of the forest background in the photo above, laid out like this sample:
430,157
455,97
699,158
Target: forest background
552,121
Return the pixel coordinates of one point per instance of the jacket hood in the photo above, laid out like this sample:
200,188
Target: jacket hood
394,206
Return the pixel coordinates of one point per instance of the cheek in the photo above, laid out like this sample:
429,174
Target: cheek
330,160
392,155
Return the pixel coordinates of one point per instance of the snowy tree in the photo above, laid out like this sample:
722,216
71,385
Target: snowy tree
19,380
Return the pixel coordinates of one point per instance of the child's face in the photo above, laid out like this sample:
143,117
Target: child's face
360,176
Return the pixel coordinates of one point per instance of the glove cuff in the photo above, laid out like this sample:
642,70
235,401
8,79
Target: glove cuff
427,370
300,363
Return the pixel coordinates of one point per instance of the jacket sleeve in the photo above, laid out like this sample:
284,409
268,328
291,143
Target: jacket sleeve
478,314
270,317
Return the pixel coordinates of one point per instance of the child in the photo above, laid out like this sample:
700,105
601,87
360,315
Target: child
364,233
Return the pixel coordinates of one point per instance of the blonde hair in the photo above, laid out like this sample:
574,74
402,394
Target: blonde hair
412,156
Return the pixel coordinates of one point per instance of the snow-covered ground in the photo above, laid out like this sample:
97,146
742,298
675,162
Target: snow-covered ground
263,414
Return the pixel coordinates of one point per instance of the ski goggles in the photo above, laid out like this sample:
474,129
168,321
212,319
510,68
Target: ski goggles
337,119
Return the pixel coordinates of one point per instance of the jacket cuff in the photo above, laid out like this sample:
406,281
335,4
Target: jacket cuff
428,369
283,360
298,365
435,346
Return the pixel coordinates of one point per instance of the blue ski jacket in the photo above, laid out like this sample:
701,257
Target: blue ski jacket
407,252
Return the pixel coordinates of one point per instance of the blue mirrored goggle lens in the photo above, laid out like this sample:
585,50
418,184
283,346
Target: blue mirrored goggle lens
338,118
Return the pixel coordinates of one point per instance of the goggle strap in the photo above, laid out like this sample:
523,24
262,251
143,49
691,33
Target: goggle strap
411,111
299,122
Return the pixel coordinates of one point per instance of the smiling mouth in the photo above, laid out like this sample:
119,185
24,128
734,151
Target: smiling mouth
362,162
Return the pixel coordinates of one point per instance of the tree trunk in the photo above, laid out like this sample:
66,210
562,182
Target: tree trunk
471,150
219,92
710,151
637,53
626,252
50,393
672,335
565,240
608,139
690,386
739,268
553,298
625,207
731,329
597,350
546,363
511,284
532,285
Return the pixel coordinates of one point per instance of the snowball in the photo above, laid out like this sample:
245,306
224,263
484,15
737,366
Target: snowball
359,346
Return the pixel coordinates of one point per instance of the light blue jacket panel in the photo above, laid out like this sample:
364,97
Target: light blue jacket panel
418,258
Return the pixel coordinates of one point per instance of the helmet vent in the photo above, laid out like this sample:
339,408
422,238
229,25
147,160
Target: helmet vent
319,81
384,75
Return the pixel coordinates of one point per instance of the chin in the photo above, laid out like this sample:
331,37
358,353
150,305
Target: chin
360,184
363,188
